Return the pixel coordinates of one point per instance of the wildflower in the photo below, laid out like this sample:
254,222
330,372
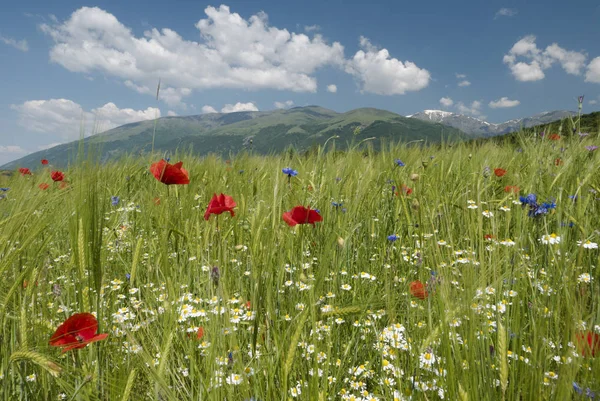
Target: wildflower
57,176
427,359
114,200
44,162
530,200
512,188
588,343
487,213
24,171
31,378
76,332
200,333
414,177
584,278
301,215
550,239
588,244
399,163
406,190
499,172
220,204
558,162
392,237
591,148
290,173
507,242
417,290
43,186
170,174
554,137
234,379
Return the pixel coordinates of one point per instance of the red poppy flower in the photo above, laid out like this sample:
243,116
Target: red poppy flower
488,237
554,137
588,343
63,185
157,201
24,171
76,332
407,191
57,176
499,172
170,173
220,204
302,215
512,188
43,186
558,162
44,162
200,333
417,290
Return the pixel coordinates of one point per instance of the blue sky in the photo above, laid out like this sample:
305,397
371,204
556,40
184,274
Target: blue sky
69,66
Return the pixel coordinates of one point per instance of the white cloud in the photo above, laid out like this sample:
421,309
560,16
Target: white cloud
461,76
208,109
593,71
67,118
284,105
503,103
593,102
171,113
12,149
474,109
378,73
536,60
332,88
232,108
233,53
312,28
464,83
17,44
446,101
506,12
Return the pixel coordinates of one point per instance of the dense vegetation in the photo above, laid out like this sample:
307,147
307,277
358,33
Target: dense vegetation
428,278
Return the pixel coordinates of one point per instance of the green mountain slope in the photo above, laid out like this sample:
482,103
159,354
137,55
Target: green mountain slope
262,132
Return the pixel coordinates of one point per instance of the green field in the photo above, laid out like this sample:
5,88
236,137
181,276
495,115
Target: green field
310,313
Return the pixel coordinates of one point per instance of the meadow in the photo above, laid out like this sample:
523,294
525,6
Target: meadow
458,272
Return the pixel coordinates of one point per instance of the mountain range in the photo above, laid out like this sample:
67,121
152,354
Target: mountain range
476,128
262,132
265,132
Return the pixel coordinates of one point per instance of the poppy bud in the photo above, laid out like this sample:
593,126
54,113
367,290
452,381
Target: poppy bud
415,204
414,177
215,275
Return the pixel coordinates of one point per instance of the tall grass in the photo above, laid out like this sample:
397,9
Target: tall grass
313,313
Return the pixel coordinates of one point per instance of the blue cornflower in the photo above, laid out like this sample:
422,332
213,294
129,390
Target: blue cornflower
392,237
549,205
114,200
530,200
167,159
127,276
399,163
577,388
4,189
336,204
289,171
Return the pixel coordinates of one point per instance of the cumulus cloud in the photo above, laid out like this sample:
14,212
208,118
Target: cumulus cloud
284,105
67,118
208,109
381,74
232,108
503,103
17,44
474,109
332,88
593,71
537,60
171,113
233,53
593,102
506,12
464,83
12,149
446,101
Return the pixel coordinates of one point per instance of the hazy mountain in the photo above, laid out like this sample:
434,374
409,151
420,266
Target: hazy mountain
262,132
476,127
